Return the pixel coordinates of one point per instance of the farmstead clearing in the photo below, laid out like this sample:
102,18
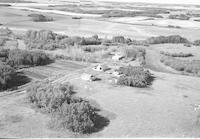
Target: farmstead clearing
99,69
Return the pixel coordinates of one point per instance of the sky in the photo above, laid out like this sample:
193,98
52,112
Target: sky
160,1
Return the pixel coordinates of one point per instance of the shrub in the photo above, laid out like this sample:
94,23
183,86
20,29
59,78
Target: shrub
40,18
94,48
68,112
48,97
134,76
77,116
176,54
5,75
118,39
180,17
17,58
90,41
167,39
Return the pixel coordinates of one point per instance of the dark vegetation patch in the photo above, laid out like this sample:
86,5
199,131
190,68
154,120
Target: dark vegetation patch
179,17
196,43
40,18
181,54
66,110
172,26
4,5
191,67
17,58
166,39
45,39
119,13
135,77
5,75
12,60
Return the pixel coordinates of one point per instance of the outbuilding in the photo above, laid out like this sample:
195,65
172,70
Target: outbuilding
88,77
101,67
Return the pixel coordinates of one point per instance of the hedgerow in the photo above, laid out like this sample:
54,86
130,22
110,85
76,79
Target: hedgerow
176,54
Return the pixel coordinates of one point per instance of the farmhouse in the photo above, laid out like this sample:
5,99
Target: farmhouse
101,67
117,57
88,77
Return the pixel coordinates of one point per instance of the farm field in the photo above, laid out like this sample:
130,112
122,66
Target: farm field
99,69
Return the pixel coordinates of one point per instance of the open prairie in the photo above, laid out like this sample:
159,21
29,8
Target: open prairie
99,69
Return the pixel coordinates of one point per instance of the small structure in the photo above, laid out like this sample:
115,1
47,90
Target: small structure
88,77
117,57
76,17
101,67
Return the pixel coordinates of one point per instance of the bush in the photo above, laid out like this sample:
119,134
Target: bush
134,76
40,18
94,48
77,116
176,54
5,75
180,17
118,39
68,112
90,41
48,97
167,39
17,58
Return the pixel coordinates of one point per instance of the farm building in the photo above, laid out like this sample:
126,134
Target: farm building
88,77
117,57
101,67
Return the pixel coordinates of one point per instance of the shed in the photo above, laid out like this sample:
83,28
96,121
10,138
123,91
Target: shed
101,67
117,57
88,77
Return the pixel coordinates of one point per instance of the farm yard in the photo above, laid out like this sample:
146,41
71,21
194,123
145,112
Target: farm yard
98,69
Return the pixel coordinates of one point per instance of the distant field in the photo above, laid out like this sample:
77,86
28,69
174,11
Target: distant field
15,1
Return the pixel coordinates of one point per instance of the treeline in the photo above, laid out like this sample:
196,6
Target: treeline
19,58
47,40
11,60
181,54
6,72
